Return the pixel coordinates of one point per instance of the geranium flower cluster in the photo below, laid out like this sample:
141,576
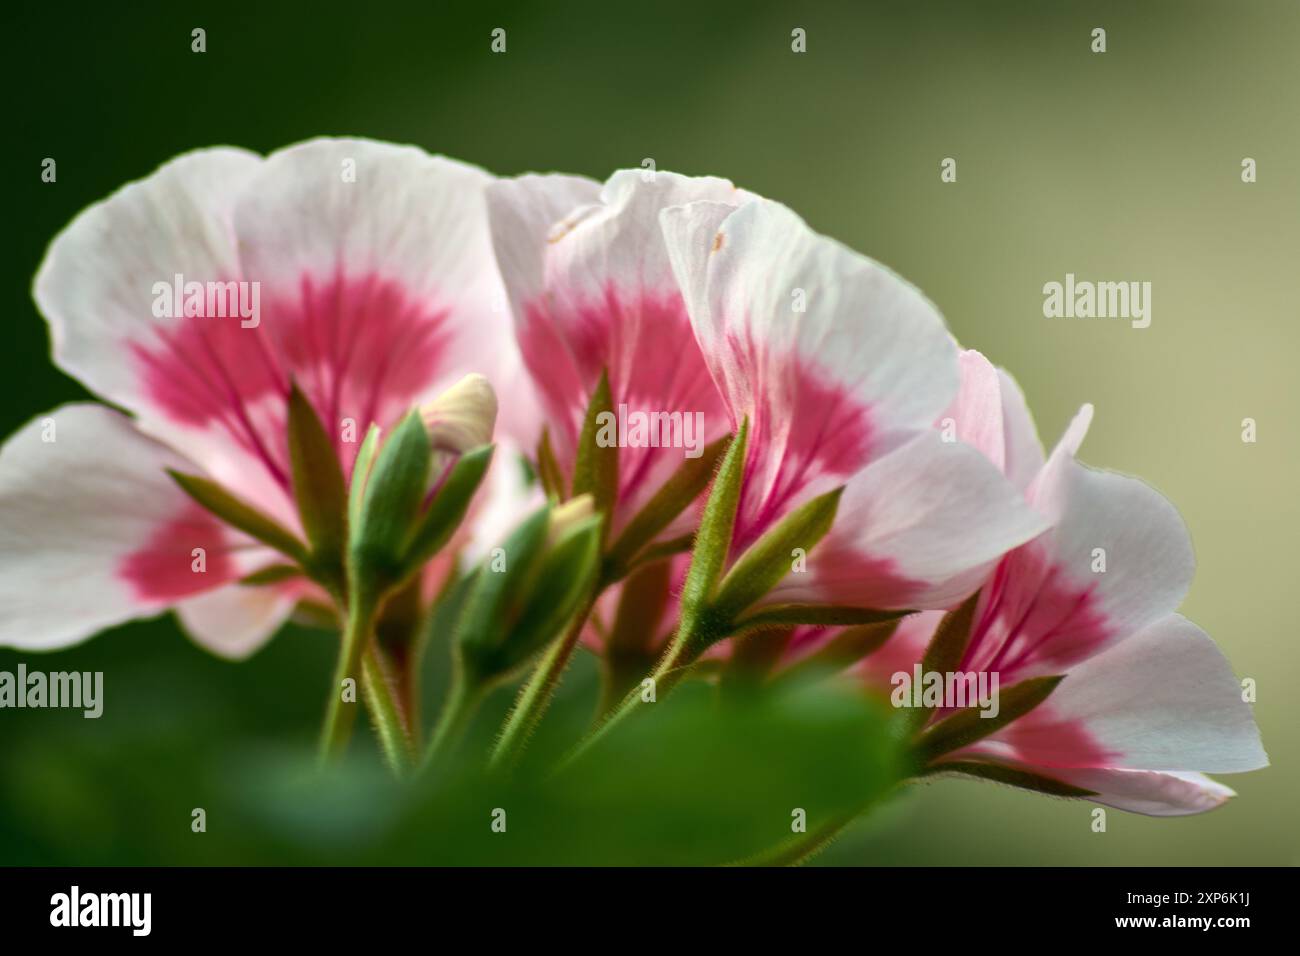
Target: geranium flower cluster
748,450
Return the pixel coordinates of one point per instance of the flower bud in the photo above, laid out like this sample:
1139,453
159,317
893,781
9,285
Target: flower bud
567,516
462,417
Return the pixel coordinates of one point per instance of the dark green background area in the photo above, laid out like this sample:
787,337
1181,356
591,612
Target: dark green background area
1118,166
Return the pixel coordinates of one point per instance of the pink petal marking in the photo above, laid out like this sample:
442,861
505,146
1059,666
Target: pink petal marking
1032,616
162,571
359,348
644,340
1042,739
841,573
804,427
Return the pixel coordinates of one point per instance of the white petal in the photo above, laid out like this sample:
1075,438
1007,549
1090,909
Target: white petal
1111,521
1165,699
234,621
1023,450
764,290
80,520
96,284
918,528
1149,792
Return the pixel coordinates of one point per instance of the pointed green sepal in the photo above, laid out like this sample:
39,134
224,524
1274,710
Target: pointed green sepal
819,615
447,509
595,472
967,726
845,649
674,497
713,537
1012,776
562,583
770,558
548,468
948,645
391,501
272,574
239,514
483,621
365,460
319,488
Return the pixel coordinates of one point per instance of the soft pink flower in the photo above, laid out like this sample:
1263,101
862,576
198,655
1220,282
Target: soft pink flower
841,368
592,290
1148,704
376,288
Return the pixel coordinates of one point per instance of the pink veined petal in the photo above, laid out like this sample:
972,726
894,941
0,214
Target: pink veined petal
93,532
592,291
1117,558
1165,699
918,528
829,354
905,648
375,287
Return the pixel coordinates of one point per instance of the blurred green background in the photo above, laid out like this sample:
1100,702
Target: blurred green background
1122,165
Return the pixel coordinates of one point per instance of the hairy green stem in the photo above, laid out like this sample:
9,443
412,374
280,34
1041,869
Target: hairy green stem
668,673
339,715
458,710
536,694
394,734
801,848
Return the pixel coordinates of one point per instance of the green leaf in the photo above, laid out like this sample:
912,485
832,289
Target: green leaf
595,472
713,537
381,694
238,514
821,615
1013,776
447,509
967,726
483,620
391,500
318,485
548,468
361,474
768,559
674,497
